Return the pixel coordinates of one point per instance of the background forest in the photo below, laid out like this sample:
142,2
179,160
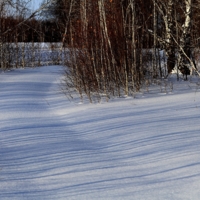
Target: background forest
110,47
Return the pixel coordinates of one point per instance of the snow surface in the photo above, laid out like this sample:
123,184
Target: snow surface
142,148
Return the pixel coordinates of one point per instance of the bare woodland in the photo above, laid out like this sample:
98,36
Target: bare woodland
110,47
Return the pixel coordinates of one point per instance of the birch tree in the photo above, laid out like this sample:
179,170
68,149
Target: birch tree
185,54
178,35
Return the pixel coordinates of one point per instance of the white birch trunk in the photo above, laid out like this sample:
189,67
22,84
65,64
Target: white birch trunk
154,39
104,26
84,22
170,29
1,53
184,59
126,89
134,56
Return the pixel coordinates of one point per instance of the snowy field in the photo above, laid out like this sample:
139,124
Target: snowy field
146,148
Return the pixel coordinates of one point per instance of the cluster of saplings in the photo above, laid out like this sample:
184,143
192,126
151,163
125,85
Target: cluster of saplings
120,45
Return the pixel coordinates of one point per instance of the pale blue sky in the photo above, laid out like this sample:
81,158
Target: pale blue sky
35,3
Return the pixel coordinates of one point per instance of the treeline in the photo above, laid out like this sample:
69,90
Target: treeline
33,30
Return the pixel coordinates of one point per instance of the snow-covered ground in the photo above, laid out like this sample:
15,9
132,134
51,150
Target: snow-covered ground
142,148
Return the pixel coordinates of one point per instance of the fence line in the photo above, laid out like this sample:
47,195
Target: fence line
17,55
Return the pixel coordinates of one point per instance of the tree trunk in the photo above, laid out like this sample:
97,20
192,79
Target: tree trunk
185,40
170,30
